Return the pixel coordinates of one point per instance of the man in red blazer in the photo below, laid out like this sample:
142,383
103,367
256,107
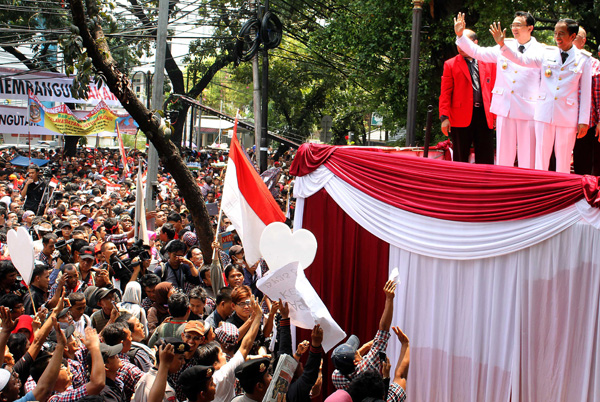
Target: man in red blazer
465,106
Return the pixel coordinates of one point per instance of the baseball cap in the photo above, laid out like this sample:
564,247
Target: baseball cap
197,327
110,351
234,250
89,294
68,331
86,252
4,378
101,293
343,355
64,224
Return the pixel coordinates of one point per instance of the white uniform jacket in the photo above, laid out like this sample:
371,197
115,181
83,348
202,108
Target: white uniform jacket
516,90
558,98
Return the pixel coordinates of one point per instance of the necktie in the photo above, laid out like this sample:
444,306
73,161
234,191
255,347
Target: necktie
475,75
564,56
521,48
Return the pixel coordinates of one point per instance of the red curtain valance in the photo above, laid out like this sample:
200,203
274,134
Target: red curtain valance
449,190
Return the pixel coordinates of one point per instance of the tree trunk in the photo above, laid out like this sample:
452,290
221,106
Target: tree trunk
120,86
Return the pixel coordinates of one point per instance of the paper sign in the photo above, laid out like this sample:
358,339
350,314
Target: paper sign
279,246
289,284
20,248
394,275
226,240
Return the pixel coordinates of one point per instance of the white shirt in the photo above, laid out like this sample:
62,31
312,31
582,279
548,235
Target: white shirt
224,379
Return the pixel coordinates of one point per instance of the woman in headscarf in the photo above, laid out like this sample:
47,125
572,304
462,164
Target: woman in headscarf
132,298
159,310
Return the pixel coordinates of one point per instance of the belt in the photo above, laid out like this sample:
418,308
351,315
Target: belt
477,104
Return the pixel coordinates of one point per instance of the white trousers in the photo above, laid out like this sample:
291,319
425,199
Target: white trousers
561,138
514,136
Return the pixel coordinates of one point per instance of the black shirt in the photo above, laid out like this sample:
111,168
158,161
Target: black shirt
39,298
34,194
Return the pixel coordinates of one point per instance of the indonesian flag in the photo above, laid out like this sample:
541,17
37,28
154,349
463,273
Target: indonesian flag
247,201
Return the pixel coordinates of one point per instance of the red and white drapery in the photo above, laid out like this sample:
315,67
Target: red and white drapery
499,269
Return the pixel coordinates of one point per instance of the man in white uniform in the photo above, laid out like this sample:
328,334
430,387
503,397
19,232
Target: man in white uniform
515,92
560,116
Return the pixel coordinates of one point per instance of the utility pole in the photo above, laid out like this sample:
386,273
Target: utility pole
157,102
256,94
265,102
413,78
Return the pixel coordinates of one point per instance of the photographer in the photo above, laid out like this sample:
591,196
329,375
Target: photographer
33,189
119,272
178,270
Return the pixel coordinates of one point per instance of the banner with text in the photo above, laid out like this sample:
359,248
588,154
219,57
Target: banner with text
60,119
49,87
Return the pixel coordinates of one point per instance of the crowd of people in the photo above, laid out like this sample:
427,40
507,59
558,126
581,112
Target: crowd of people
108,317
543,101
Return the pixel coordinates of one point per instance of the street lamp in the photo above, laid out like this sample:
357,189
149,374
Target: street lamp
413,78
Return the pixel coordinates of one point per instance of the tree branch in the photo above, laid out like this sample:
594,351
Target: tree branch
21,57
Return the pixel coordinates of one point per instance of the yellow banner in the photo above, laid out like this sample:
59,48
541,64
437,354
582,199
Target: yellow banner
61,119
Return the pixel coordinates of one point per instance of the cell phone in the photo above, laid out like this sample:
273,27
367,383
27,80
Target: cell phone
382,356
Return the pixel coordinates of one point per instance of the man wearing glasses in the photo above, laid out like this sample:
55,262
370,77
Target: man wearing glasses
515,92
562,111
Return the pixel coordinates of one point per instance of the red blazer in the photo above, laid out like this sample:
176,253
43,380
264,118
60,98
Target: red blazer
456,98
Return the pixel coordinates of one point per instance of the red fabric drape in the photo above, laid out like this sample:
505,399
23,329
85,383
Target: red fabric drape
450,190
349,271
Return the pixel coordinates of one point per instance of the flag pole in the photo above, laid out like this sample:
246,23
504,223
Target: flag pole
221,206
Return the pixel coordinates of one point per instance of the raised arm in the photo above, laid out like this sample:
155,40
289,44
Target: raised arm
388,311
45,385
98,373
485,54
166,354
522,59
8,324
253,331
403,360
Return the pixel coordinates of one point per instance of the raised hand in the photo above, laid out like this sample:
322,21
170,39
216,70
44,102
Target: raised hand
8,324
389,289
459,24
498,33
60,335
401,335
302,348
91,339
385,368
284,309
166,354
316,336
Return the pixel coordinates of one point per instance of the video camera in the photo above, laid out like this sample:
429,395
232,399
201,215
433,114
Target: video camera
63,250
123,268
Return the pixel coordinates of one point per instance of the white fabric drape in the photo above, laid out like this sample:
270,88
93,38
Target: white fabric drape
437,237
520,327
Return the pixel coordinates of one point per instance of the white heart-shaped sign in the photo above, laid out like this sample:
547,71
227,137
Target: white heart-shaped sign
279,246
20,248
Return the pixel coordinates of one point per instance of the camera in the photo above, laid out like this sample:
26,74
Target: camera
63,250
